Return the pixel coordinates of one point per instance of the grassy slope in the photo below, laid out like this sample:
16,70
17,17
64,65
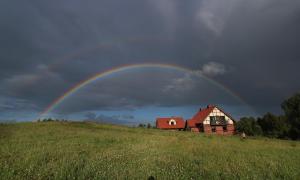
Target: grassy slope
68,150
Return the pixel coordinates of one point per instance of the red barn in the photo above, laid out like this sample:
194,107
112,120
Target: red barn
212,120
175,123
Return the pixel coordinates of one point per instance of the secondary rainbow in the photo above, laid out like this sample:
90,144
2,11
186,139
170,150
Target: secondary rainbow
114,70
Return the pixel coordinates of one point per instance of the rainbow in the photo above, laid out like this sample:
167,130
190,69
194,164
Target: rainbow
118,69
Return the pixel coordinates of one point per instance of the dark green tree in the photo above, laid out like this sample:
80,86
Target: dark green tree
274,126
291,107
142,125
249,126
149,126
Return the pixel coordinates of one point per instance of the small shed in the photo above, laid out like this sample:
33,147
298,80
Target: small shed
170,123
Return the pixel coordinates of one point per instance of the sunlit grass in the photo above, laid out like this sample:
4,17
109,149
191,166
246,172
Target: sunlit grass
56,150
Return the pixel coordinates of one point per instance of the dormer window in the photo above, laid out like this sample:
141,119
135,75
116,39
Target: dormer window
172,122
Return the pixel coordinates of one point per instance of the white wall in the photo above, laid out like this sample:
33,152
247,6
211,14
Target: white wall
217,112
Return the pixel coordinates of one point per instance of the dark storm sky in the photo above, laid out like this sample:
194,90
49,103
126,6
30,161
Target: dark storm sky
46,47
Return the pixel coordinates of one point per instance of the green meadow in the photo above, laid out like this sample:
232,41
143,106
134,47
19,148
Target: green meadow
65,150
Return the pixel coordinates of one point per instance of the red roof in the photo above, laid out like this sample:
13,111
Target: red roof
164,123
200,116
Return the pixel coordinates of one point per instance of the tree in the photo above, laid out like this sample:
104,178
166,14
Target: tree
149,126
249,126
142,125
274,126
291,107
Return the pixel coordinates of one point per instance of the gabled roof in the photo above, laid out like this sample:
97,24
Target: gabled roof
163,123
201,115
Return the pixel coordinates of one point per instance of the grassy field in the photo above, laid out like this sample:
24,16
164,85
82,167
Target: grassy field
57,150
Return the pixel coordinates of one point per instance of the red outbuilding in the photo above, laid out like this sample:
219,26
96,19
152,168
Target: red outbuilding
175,123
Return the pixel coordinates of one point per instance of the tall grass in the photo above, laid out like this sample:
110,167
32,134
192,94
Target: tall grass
56,150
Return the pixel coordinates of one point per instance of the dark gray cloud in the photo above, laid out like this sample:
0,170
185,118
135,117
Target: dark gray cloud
47,47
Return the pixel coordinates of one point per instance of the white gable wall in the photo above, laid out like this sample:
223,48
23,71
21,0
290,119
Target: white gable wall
217,112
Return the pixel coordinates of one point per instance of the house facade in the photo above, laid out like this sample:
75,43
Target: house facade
212,120
171,123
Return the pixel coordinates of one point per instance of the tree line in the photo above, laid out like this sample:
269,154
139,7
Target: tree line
141,125
286,126
52,120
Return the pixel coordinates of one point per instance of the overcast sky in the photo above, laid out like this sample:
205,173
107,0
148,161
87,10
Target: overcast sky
47,47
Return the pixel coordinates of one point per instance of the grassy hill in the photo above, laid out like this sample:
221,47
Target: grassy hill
58,150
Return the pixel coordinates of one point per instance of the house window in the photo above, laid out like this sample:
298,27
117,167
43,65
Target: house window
172,122
217,120
224,128
213,120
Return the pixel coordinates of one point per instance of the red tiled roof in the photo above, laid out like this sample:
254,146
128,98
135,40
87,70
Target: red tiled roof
163,123
200,116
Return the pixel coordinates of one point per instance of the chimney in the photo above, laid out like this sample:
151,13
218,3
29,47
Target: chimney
209,106
200,109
